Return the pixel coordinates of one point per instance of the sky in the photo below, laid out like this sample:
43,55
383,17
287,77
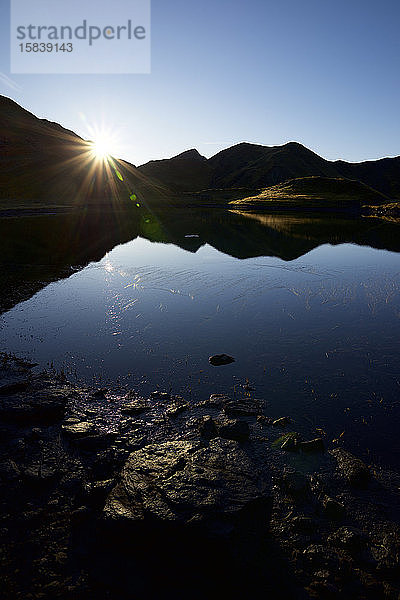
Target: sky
321,72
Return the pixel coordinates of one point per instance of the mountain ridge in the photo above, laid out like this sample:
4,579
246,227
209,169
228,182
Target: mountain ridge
40,158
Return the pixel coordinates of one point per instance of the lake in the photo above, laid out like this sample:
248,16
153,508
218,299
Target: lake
308,306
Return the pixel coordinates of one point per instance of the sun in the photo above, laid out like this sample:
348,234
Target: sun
101,146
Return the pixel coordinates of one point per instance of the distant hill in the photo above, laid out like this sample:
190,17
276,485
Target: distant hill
256,167
315,193
41,160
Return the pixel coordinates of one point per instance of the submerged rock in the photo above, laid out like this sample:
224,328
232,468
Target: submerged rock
220,359
316,445
215,488
281,422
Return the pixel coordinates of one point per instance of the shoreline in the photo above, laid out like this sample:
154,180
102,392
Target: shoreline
332,527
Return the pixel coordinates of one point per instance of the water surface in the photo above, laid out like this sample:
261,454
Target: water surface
310,316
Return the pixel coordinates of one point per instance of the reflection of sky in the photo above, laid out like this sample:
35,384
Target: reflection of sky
317,336
321,73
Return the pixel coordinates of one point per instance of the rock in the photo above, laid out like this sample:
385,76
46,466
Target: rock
295,483
98,441
77,430
348,538
281,422
243,408
353,469
333,509
321,557
316,445
215,400
9,471
263,420
215,489
156,395
176,408
17,387
135,407
34,410
220,359
290,443
208,428
234,430
100,394
303,524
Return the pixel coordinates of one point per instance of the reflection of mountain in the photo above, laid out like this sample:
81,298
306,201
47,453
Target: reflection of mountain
37,250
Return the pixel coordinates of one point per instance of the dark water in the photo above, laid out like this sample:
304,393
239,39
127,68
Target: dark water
308,306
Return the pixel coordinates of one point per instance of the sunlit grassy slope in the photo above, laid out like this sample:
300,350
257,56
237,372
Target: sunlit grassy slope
314,192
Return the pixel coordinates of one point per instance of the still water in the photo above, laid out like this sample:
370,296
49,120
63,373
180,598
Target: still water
316,335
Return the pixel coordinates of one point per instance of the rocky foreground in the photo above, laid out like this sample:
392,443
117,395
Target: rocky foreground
109,495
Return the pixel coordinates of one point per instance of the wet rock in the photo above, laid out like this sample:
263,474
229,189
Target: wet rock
97,441
97,491
333,509
387,553
34,410
176,408
353,469
234,430
303,524
80,429
216,488
215,401
220,359
157,395
100,394
316,445
8,389
135,407
243,408
321,557
295,483
290,443
208,428
281,422
348,538
9,470
264,421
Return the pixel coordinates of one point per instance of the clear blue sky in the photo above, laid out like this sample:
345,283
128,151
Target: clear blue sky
325,73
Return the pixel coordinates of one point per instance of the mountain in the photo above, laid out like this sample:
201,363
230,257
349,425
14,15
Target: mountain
318,193
40,160
254,166
186,171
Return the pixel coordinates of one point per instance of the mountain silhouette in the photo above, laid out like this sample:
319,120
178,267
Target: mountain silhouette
42,160
253,166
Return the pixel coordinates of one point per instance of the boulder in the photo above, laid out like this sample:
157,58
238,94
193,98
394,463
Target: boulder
215,489
354,470
233,429
220,359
